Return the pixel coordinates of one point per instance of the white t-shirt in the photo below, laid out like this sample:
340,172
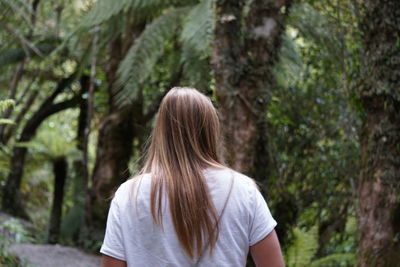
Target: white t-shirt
132,236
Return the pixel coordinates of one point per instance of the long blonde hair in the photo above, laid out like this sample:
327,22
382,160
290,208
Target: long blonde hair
185,141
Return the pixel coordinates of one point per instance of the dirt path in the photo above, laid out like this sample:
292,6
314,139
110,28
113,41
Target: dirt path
53,256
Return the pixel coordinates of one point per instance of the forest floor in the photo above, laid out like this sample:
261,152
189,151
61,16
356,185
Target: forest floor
13,238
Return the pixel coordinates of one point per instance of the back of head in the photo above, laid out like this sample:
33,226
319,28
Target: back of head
184,142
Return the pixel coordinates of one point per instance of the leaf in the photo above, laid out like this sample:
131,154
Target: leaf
304,246
137,65
199,26
339,259
106,9
290,67
197,37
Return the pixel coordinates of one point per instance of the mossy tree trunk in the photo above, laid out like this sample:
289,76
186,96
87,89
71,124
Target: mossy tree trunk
379,185
246,49
114,149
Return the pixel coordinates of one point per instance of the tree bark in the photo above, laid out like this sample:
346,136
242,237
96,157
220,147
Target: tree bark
60,167
245,52
379,184
11,201
114,150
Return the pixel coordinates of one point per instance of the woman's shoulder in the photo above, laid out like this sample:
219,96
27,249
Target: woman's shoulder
226,174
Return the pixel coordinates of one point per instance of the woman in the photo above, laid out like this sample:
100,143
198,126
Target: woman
186,208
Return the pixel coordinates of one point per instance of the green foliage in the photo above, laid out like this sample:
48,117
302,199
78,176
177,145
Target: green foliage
5,104
106,9
53,142
335,260
313,129
7,259
145,52
302,251
12,231
197,38
14,55
198,27
303,248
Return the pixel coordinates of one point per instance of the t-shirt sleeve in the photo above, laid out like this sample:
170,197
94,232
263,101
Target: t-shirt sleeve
113,244
261,221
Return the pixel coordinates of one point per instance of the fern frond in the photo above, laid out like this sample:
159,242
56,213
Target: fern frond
145,52
290,66
105,9
304,246
197,37
339,259
199,27
196,68
50,143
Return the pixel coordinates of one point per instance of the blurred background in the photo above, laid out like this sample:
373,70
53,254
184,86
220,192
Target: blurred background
308,93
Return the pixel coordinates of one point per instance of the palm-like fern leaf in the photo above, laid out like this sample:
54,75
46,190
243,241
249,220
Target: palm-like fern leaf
290,66
303,248
145,52
105,9
339,259
197,37
199,25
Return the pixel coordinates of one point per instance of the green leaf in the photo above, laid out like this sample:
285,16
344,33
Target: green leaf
145,52
197,38
304,246
339,259
106,9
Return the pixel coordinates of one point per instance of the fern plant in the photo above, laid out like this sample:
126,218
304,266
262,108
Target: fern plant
188,24
304,246
302,252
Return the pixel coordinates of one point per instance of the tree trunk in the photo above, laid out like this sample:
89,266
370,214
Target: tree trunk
114,147
60,168
379,184
115,140
114,150
245,52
